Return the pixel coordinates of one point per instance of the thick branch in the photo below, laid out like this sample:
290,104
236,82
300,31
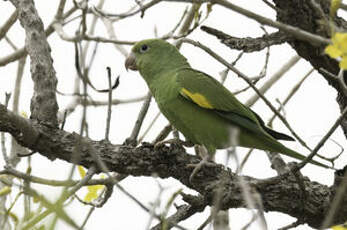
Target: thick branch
277,193
301,14
248,44
44,106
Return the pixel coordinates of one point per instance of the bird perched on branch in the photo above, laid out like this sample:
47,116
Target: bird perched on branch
198,106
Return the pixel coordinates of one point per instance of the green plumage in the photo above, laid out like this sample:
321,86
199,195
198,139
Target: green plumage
201,108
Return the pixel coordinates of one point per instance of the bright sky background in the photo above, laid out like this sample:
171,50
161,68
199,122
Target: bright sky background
311,112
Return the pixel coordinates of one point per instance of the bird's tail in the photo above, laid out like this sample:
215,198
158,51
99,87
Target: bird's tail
291,153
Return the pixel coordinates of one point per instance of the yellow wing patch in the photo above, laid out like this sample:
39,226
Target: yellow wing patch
197,98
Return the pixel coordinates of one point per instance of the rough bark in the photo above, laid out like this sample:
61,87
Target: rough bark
44,106
277,193
301,198
300,13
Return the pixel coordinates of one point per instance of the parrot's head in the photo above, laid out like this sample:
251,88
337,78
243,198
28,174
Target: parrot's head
153,56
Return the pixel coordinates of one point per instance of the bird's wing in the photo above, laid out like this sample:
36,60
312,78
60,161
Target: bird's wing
273,133
208,93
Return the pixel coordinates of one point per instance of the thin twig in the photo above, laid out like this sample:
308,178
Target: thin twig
252,198
183,212
322,141
132,140
15,147
188,20
89,214
60,10
109,106
267,55
205,223
22,51
50,208
292,225
8,24
291,94
140,10
154,206
244,161
172,32
225,72
339,78
112,35
163,134
273,79
271,5
116,101
149,127
76,89
295,31
9,41
55,183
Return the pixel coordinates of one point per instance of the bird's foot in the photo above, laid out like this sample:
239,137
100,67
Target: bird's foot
174,141
206,161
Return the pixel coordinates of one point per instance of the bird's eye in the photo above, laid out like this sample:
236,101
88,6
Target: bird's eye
144,48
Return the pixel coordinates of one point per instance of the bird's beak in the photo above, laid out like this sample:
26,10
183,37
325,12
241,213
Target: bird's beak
130,62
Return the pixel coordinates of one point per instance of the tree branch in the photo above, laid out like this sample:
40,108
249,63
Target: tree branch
8,24
248,44
22,51
299,13
44,106
277,193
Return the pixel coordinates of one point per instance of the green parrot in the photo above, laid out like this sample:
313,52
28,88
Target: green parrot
198,106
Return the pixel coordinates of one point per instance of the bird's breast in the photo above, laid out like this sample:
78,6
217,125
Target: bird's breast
164,91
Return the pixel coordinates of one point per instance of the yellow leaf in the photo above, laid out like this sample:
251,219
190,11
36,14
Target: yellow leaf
343,62
90,197
5,190
332,51
339,227
81,171
95,188
93,192
340,40
334,6
24,114
92,189
338,49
